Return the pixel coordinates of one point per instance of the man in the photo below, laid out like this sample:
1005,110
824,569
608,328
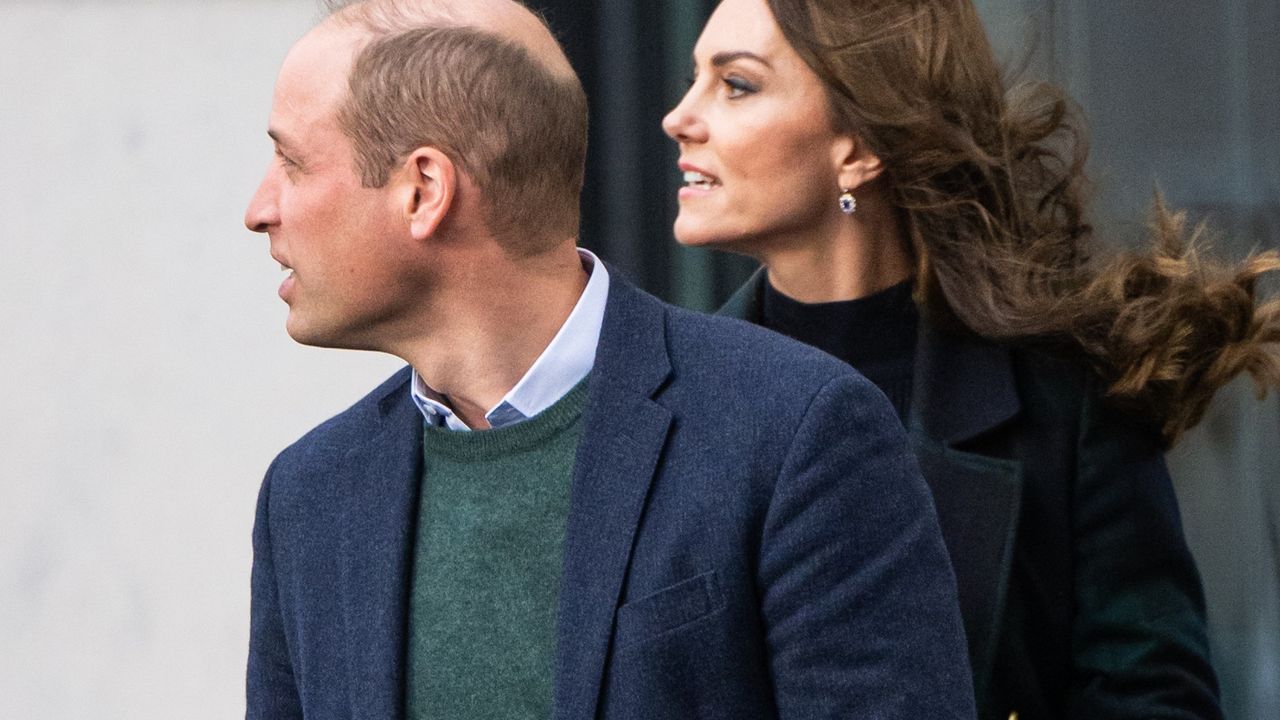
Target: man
577,501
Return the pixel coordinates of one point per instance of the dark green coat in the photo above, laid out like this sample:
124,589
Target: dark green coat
1079,597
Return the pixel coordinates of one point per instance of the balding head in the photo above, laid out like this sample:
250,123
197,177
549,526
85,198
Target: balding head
485,82
506,19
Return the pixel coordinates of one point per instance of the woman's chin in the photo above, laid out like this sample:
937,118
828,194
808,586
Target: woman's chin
690,234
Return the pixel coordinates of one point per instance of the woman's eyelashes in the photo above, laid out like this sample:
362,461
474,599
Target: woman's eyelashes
735,85
739,86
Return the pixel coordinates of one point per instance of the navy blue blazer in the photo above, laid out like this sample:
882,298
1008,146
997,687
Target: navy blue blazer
1079,596
748,537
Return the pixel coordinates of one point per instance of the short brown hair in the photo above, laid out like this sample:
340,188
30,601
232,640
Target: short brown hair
515,127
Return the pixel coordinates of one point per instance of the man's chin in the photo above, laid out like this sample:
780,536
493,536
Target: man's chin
326,337
305,333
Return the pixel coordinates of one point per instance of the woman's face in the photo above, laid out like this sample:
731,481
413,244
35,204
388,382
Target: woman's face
759,157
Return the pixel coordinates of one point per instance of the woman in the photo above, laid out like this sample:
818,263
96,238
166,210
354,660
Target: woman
921,223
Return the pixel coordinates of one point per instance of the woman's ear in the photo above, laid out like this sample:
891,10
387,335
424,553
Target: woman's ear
856,165
430,183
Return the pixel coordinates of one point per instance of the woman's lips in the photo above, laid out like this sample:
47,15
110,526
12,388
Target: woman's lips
697,183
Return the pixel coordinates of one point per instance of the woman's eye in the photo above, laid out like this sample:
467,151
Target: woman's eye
739,87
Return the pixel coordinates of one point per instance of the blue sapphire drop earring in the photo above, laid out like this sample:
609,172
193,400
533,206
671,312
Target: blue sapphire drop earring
848,203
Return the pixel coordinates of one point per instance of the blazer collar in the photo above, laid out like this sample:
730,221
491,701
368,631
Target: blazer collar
964,386
632,352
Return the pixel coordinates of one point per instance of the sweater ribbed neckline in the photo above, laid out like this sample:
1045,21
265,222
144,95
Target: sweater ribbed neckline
522,436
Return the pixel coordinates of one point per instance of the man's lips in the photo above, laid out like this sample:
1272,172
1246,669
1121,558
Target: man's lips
286,287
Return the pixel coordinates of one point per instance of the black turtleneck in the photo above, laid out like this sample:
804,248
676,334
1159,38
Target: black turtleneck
875,334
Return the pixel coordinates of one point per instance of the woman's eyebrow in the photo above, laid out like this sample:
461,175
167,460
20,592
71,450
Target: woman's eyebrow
724,58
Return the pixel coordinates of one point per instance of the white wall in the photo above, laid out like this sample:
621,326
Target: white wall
145,377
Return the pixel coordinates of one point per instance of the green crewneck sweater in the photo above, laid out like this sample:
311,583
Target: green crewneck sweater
487,563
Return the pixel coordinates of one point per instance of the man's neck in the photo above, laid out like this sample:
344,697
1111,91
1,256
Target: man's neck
479,345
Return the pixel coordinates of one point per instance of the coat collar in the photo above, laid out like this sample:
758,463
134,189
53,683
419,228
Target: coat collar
963,388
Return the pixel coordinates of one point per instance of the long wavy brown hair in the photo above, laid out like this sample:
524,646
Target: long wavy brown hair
990,184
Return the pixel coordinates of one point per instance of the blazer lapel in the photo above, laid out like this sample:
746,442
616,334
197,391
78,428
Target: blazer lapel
623,436
379,525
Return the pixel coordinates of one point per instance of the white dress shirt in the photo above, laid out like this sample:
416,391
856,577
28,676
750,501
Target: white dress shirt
560,367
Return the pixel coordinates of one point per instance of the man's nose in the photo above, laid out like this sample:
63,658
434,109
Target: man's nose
263,211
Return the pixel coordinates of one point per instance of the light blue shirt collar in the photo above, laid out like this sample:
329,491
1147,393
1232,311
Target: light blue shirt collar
560,367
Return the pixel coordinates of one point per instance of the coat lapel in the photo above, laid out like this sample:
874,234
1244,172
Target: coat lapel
623,436
978,500
379,523
964,388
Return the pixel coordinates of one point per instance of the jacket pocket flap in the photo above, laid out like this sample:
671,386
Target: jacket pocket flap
669,608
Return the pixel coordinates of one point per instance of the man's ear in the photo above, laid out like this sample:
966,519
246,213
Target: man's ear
430,182
856,165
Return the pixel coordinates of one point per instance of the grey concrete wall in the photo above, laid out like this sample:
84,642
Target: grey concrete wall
145,377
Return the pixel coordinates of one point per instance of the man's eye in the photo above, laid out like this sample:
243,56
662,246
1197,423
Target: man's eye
739,87
285,160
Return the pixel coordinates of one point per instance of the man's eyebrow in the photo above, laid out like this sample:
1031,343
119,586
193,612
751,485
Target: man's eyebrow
275,135
721,59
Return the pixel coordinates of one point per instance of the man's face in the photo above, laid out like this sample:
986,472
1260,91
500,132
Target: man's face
339,240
